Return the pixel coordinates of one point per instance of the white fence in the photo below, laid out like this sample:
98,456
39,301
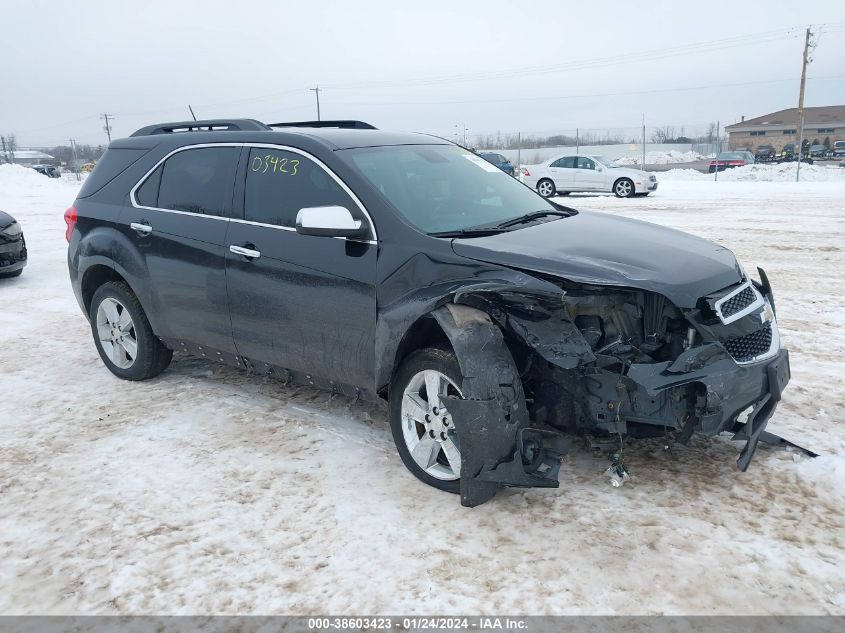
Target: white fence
624,150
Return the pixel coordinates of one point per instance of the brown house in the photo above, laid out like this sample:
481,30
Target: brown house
779,128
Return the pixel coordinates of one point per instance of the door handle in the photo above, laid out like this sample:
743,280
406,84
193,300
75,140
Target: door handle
141,227
249,253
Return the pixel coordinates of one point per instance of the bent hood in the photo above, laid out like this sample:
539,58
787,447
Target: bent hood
595,248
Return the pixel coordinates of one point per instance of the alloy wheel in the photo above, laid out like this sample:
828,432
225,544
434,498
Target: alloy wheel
427,426
116,332
623,188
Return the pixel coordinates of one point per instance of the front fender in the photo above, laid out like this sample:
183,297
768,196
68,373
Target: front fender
497,447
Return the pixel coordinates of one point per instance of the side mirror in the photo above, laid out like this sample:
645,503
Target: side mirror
599,169
331,221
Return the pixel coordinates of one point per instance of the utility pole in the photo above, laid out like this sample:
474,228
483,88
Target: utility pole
75,159
316,92
577,141
801,102
643,165
718,151
107,126
519,155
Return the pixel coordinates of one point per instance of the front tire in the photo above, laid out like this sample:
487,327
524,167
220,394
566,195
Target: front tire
123,335
624,188
546,188
16,273
423,429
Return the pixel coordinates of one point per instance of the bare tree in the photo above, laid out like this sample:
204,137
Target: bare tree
663,135
9,144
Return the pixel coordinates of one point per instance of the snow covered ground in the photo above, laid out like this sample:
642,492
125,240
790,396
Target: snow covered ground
208,491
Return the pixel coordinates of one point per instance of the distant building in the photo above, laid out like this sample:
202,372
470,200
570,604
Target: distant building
27,157
779,128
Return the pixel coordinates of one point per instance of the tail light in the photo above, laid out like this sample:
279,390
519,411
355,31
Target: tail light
525,171
70,220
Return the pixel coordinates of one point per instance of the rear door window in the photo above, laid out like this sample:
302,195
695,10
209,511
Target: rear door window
567,162
585,163
197,181
279,183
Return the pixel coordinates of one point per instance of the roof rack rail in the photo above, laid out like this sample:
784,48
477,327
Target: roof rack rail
346,124
209,125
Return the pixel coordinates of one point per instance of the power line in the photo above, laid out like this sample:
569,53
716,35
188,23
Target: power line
590,95
628,58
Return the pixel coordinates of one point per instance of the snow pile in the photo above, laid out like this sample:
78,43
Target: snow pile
661,158
19,180
784,172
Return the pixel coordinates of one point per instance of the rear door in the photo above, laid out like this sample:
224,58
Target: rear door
300,302
178,219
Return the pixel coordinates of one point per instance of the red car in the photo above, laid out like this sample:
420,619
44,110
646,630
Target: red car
724,160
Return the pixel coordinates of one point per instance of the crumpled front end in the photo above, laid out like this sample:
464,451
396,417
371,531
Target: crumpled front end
610,361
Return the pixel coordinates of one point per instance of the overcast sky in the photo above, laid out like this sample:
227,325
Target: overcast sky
528,65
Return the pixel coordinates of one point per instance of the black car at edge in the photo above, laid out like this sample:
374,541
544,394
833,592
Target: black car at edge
13,253
496,323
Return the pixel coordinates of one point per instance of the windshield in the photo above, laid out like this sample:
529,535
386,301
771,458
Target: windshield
731,156
442,188
604,160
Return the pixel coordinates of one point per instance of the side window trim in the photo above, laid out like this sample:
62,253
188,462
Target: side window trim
133,200
133,192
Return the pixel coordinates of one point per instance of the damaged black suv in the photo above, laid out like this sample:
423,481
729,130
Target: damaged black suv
400,266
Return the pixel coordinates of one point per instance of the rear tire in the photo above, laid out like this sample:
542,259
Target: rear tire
546,187
123,335
423,430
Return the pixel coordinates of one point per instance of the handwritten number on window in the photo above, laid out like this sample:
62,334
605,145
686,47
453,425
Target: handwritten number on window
272,164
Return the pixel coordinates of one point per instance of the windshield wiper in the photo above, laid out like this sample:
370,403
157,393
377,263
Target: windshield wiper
470,232
528,217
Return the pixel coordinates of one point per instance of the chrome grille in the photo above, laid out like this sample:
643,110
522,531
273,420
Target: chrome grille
747,348
738,302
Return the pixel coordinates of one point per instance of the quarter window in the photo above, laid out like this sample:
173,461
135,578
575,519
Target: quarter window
147,194
197,180
280,183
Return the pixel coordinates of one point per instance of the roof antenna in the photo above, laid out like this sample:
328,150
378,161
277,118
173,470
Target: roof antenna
192,112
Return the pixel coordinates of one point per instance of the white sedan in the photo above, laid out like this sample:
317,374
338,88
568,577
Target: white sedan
577,172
